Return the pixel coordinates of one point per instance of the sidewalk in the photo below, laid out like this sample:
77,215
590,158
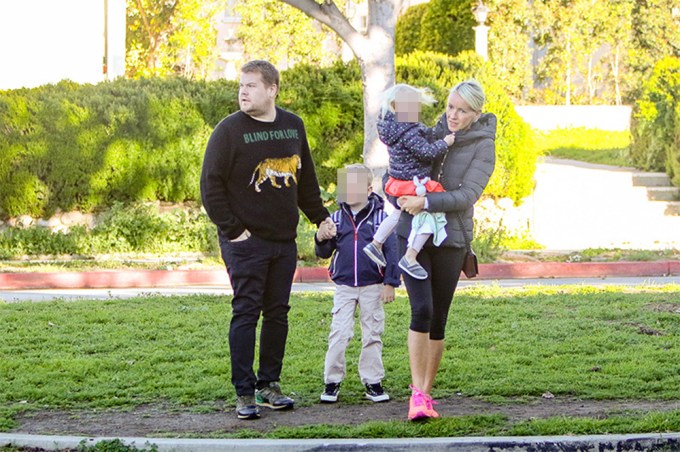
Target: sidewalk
218,277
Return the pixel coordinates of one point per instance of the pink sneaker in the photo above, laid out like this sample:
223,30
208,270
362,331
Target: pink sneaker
429,404
417,405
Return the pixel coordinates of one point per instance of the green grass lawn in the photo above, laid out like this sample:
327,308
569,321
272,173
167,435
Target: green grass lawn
587,145
502,344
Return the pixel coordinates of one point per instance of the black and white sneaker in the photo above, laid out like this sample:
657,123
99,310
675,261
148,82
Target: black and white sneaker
376,393
330,394
246,408
272,397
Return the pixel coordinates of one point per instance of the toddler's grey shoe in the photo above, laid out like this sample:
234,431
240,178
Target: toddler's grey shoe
272,397
246,408
376,393
414,270
330,394
375,254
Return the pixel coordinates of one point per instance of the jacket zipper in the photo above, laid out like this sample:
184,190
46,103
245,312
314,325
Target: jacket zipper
356,242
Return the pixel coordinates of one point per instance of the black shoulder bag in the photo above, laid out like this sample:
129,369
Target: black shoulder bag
470,265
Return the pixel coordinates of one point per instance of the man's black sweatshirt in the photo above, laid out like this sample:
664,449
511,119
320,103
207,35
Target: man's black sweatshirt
256,174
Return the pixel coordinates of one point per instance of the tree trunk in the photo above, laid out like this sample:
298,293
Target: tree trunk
591,83
615,72
374,51
568,78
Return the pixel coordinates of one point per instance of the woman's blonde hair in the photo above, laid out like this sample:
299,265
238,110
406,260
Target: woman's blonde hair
390,95
472,93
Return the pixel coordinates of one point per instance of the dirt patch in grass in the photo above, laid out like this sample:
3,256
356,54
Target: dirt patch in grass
665,307
158,420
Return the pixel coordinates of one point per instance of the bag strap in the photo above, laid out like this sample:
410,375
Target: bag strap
468,245
468,241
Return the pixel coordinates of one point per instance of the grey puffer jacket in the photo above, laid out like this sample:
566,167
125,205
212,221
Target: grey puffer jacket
463,172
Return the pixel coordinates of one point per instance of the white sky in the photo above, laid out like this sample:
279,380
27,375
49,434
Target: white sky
44,41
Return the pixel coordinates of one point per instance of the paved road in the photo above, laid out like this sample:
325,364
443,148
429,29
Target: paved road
12,296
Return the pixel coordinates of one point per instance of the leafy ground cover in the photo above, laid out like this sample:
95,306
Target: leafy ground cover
202,262
586,145
537,360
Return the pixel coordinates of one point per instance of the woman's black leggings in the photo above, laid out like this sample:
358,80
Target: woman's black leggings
431,298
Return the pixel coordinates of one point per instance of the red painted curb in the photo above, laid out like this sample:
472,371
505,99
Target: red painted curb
112,279
576,269
170,278
311,274
674,268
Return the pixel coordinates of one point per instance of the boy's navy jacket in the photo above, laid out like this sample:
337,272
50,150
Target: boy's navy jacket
350,266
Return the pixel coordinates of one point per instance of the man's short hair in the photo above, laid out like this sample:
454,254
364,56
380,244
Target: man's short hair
270,75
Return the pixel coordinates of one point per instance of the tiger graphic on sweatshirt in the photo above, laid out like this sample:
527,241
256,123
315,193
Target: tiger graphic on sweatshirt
285,167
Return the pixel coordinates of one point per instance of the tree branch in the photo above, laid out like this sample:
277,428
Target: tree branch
145,20
328,14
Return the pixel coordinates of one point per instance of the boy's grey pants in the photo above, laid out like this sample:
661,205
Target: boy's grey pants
372,317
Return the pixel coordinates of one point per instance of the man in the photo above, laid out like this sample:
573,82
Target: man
257,171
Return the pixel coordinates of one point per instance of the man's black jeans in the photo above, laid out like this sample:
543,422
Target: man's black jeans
261,274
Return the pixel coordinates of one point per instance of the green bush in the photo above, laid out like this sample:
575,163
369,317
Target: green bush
330,102
655,125
447,27
69,146
409,25
86,147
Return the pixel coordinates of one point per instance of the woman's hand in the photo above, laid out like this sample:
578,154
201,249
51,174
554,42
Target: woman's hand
412,204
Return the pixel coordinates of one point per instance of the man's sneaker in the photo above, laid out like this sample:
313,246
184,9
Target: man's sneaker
271,397
415,270
246,408
376,393
375,254
330,394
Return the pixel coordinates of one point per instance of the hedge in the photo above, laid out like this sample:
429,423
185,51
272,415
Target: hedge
655,125
85,147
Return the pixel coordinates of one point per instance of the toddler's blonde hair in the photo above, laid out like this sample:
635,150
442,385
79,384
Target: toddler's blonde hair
389,96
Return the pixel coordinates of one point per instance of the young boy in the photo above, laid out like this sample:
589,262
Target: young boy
359,282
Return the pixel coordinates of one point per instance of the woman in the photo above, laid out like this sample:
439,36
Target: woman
464,173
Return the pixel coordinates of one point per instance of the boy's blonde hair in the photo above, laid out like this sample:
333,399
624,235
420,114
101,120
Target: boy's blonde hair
358,168
349,176
389,96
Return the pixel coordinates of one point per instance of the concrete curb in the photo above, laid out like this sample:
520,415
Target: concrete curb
176,278
652,441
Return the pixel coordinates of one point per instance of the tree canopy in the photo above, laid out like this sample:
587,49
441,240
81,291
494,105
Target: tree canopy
283,35
171,37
